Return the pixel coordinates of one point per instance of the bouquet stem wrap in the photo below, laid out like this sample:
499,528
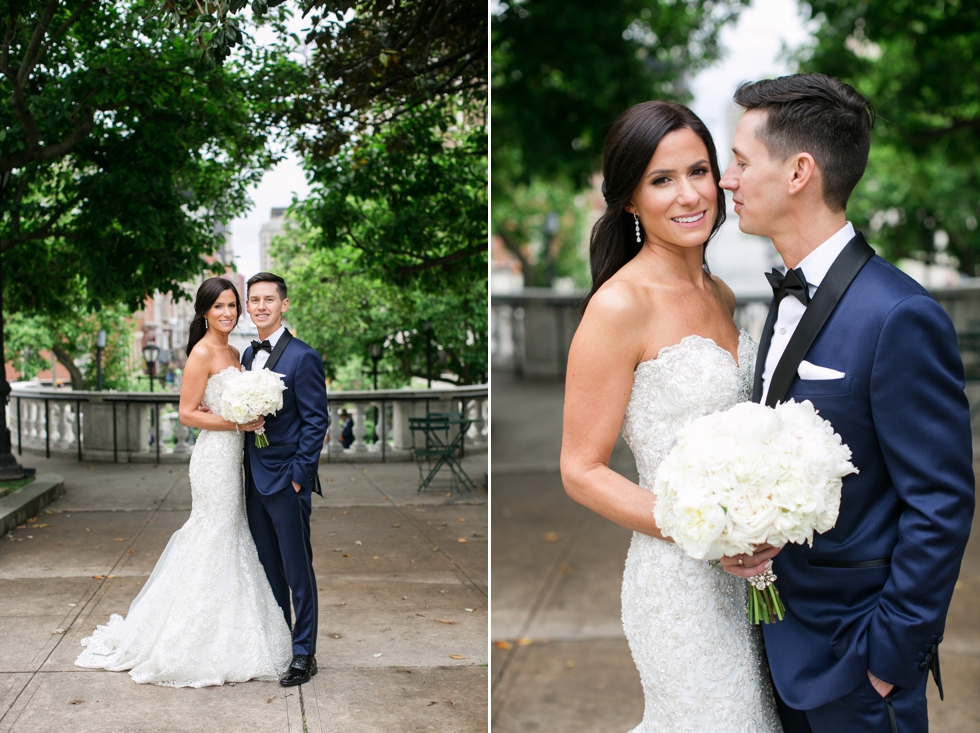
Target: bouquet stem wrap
747,476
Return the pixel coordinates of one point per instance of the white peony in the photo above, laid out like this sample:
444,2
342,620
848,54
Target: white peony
251,395
749,475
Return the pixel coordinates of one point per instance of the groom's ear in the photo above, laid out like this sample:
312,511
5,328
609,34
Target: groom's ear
285,304
802,168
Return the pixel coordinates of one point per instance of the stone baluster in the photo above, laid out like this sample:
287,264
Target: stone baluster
358,413
53,420
184,436
380,427
30,421
474,409
66,426
166,428
333,445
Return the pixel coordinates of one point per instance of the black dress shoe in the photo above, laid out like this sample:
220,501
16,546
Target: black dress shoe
302,668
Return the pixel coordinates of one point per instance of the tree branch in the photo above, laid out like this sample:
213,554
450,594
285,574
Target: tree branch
64,27
31,52
77,381
441,261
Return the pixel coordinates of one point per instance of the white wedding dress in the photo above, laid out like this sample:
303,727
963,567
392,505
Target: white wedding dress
206,615
700,662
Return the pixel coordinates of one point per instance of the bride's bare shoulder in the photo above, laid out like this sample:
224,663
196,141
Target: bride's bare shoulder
620,299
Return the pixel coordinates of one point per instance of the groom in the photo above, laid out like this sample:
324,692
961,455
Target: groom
281,477
877,356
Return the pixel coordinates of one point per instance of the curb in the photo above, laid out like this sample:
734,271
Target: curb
28,501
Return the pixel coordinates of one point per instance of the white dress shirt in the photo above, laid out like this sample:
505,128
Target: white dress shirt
815,266
261,356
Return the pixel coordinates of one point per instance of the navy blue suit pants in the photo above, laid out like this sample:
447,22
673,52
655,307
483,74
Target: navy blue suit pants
280,524
862,710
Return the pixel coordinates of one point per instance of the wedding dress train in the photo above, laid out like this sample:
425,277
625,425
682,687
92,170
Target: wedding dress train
701,664
206,615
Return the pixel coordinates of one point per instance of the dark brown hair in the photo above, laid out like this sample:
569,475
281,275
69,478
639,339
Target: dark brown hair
209,292
819,115
629,146
266,277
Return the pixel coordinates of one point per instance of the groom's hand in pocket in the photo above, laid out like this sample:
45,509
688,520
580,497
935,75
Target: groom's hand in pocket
747,566
881,687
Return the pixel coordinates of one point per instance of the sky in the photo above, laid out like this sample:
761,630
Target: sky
753,47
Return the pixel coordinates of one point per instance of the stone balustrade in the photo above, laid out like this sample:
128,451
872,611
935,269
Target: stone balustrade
531,331
144,427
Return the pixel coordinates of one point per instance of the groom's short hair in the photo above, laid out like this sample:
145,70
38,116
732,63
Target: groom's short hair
816,114
266,277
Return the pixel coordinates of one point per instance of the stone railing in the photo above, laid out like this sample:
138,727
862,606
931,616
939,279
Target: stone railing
530,332
144,427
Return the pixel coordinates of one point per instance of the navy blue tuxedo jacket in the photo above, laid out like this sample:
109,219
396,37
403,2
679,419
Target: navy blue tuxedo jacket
297,431
872,593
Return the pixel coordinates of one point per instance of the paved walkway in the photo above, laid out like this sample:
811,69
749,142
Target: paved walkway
559,660
403,608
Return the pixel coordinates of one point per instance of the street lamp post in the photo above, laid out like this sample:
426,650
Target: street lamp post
374,351
150,353
99,345
9,468
427,329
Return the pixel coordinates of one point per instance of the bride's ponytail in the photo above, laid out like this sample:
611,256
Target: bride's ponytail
629,146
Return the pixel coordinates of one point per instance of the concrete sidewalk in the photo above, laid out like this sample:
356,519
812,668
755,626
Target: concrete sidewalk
403,607
559,659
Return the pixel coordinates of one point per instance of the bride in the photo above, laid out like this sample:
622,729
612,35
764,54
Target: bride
657,347
206,615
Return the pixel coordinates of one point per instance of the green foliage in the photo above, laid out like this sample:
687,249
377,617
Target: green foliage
564,71
126,152
411,199
918,64
340,306
519,220
27,335
561,74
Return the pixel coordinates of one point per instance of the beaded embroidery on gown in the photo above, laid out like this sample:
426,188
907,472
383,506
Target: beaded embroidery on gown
206,615
700,661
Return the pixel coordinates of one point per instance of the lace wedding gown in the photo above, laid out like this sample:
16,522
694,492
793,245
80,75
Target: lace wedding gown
700,662
206,615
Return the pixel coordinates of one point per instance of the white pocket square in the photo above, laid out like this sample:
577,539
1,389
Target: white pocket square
812,371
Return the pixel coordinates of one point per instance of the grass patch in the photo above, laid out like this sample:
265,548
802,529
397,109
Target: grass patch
9,487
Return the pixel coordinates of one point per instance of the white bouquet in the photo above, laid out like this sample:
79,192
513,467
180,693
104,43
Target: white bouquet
752,475
249,396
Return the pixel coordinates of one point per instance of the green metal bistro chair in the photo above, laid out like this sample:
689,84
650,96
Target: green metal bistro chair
436,442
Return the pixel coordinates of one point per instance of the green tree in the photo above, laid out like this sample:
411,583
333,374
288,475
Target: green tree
340,306
74,342
918,64
391,124
561,74
125,152
120,153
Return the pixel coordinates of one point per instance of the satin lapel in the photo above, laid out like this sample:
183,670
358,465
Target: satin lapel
760,359
277,352
845,268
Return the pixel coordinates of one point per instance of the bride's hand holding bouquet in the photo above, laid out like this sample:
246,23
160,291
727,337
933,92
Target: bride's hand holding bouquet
748,480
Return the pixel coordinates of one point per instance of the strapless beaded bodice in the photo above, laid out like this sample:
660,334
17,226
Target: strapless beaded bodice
687,380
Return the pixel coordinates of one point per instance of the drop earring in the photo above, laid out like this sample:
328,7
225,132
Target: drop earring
639,239
206,320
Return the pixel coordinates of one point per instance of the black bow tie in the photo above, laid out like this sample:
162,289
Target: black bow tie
264,346
792,283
